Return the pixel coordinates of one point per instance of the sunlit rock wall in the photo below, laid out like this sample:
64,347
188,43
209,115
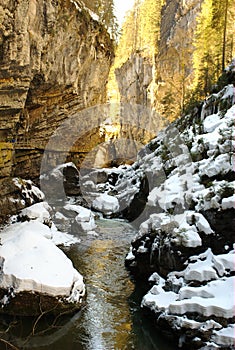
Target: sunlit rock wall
134,78
162,84
54,61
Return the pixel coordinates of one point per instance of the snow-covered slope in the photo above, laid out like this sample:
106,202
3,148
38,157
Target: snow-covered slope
188,237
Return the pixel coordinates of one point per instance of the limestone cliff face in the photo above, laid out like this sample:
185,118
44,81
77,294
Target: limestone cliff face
54,61
138,120
134,78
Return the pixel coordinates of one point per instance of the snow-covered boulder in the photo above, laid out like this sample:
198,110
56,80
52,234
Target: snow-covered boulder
84,219
106,204
187,234
36,275
38,211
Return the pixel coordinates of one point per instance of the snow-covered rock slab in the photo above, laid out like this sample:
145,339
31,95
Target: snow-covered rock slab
207,300
214,300
33,264
201,270
158,300
228,203
225,336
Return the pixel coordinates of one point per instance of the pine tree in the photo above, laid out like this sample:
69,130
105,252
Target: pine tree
214,41
127,42
105,10
149,26
140,34
106,14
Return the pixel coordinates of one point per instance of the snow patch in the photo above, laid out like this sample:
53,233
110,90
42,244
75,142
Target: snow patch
106,204
212,122
228,203
85,217
225,336
40,211
213,304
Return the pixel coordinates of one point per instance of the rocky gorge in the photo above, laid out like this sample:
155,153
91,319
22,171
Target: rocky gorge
161,81
176,190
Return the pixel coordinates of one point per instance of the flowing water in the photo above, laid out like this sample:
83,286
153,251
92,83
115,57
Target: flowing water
111,318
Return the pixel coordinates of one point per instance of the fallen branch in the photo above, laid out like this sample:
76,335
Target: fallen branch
9,344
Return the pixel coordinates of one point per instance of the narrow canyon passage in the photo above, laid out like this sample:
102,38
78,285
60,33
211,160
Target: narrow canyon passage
129,118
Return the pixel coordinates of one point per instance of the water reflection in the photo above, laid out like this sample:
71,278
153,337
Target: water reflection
111,319
107,316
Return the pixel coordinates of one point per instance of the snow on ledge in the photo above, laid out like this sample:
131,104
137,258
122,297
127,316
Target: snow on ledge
158,300
80,5
212,122
225,336
40,211
208,300
28,189
201,270
228,203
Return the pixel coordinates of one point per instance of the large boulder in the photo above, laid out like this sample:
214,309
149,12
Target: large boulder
36,276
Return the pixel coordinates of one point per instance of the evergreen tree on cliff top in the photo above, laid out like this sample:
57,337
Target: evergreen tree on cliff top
214,43
105,10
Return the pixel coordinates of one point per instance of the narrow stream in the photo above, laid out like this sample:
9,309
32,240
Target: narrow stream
111,317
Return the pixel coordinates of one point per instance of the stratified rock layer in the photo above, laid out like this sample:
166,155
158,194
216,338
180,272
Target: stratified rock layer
54,61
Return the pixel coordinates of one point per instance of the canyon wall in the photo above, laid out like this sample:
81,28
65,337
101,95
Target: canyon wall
134,79
54,61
